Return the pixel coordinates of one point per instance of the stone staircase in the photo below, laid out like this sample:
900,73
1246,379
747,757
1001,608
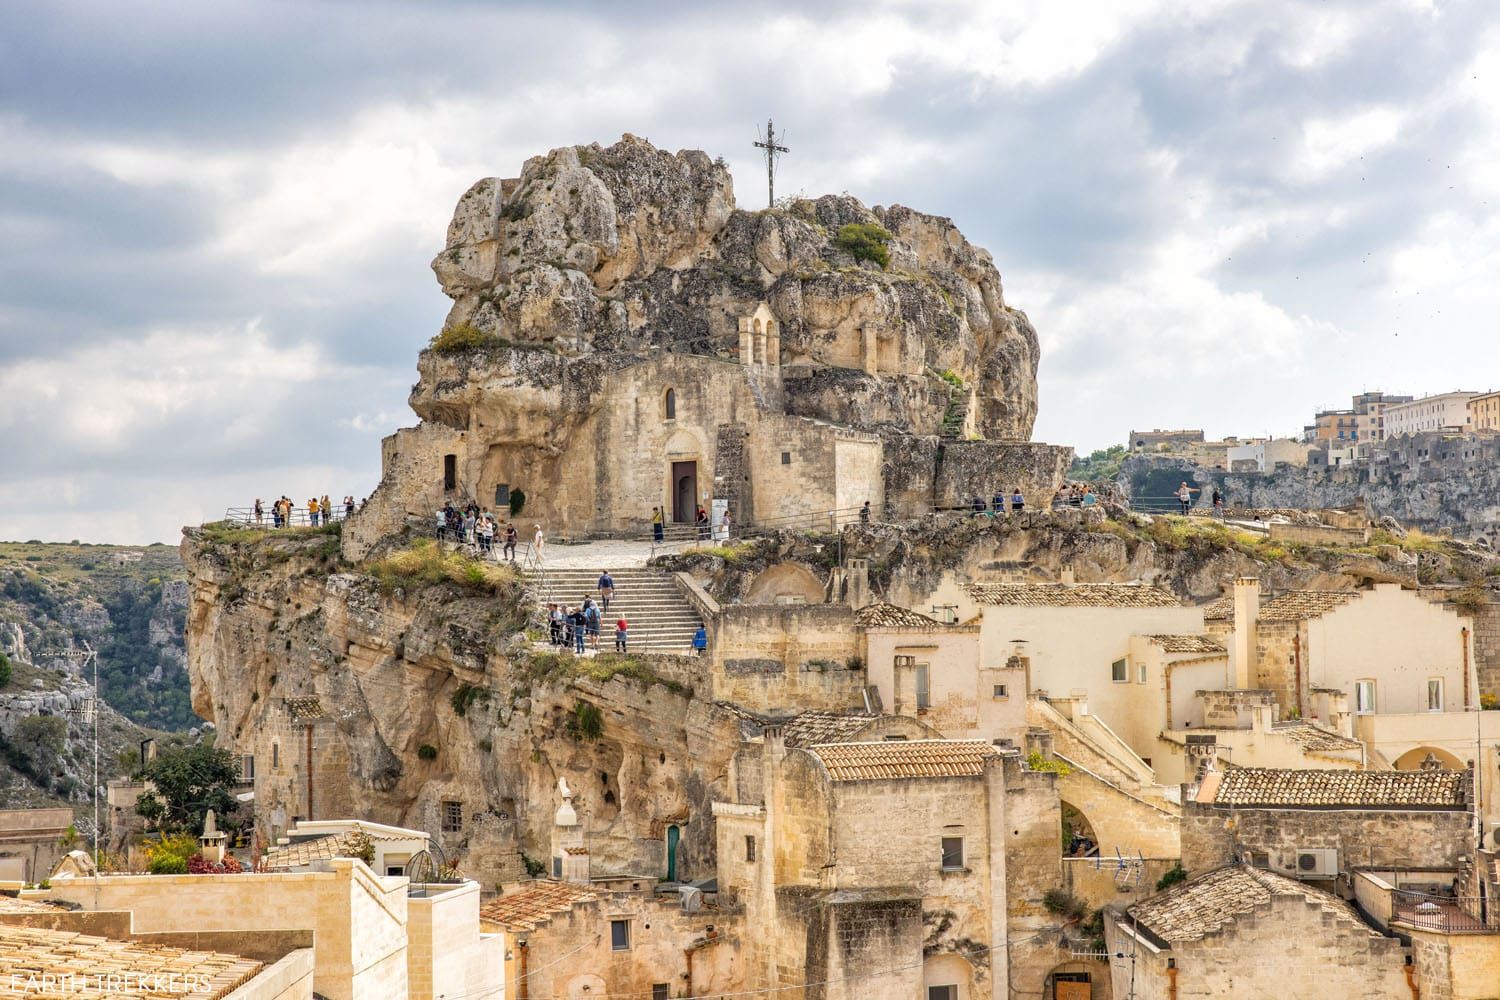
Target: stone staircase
662,619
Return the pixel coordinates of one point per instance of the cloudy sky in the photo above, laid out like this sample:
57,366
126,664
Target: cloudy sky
216,219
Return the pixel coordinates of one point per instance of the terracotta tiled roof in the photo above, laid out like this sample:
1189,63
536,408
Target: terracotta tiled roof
1187,643
904,759
1267,786
1311,737
1220,610
892,616
1207,904
1297,605
28,953
304,709
811,728
532,904
1073,595
10,904
304,852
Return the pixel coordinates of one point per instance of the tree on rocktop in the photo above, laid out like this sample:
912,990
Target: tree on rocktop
189,782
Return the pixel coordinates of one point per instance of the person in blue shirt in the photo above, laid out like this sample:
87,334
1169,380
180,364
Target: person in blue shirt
606,590
700,640
1017,502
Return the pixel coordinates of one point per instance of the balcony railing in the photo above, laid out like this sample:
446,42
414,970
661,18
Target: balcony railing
1447,914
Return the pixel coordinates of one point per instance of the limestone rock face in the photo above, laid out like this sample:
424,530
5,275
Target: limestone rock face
629,248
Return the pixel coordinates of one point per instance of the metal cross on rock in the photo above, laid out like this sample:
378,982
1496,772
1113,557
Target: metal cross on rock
768,143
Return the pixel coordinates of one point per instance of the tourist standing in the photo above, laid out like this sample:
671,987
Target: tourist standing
1218,504
580,627
700,640
591,623
726,523
701,519
606,589
864,513
658,529
260,513
349,506
1017,501
537,542
1185,497
622,630
511,537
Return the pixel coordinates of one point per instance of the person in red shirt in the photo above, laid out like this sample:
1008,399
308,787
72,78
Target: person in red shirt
622,629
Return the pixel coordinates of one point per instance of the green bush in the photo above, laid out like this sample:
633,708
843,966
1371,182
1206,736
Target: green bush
169,864
865,241
1062,903
464,337
587,722
517,502
1171,877
427,751
1036,762
426,564
5,670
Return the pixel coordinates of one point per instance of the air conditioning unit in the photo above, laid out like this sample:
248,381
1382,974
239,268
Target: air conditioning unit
1318,862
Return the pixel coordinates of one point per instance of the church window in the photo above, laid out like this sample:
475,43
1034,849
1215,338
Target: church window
669,404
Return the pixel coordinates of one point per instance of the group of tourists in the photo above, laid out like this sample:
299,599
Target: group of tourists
1184,494
319,511
578,628
474,525
997,504
1076,495
702,524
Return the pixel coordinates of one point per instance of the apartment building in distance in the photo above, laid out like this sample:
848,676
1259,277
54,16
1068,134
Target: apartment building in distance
1446,411
1484,413
1362,424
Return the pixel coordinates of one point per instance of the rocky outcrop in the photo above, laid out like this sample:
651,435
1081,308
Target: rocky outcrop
428,695
629,248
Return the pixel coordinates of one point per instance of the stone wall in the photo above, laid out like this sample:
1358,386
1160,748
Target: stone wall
1370,838
969,468
1456,966
786,657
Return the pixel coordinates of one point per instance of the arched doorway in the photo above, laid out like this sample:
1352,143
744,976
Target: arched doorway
674,837
684,492
1075,981
1078,837
948,976
1428,759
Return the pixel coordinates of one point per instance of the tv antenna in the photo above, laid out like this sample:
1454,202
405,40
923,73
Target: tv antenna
768,142
90,714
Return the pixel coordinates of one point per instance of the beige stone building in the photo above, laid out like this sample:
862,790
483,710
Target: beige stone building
945,901
934,672
1240,932
1320,824
1484,413
617,937
1327,653
1445,411
48,951
374,937
30,842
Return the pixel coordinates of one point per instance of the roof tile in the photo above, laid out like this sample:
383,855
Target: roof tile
904,759
533,904
1267,786
892,616
28,953
1187,643
1203,906
1073,595
1299,605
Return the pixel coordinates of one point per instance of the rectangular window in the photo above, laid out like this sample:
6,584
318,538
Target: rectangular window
1364,697
557,867
1140,673
749,848
1119,672
395,869
924,691
894,738
275,756
953,854
247,767
786,458
453,817
1002,691
1435,694
661,991
942,992
619,935
450,472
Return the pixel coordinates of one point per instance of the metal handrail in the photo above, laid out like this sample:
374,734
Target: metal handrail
1428,911
297,517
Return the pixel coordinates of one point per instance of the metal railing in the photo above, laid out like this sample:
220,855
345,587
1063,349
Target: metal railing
1429,912
297,517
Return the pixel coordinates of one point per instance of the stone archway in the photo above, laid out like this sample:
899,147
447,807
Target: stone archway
1428,758
1079,840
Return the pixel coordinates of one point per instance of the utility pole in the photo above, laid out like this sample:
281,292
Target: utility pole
87,654
773,150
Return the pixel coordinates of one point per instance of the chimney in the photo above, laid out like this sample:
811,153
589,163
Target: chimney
858,583
1246,610
1065,577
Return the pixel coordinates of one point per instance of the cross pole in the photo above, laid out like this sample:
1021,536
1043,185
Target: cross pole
772,151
